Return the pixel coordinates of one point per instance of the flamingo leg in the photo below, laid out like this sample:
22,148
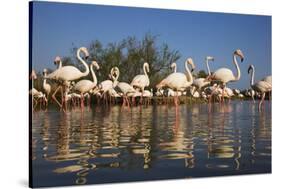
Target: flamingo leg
82,101
65,102
40,103
54,96
262,101
223,88
253,98
177,99
141,97
124,102
127,102
36,102
133,101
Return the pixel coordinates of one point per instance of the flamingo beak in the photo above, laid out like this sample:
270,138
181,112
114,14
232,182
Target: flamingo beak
86,57
192,69
249,70
242,59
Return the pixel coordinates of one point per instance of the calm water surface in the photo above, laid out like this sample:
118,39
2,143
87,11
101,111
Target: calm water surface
155,142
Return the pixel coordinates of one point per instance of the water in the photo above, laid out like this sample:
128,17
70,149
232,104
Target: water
155,142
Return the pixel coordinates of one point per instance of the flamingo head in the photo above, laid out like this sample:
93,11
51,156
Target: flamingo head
57,60
173,65
239,53
210,58
190,62
94,63
85,51
45,71
146,66
251,67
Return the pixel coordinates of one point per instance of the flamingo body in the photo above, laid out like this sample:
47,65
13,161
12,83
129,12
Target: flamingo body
141,81
224,75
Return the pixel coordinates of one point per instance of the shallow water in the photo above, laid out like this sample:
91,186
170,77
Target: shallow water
155,142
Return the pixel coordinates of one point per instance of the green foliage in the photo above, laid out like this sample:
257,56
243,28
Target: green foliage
202,74
129,55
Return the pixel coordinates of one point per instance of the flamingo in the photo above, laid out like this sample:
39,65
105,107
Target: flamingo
194,93
124,87
213,90
84,86
46,86
106,86
178,81
33,91
236,91
37,95
65,74
259,86
202,82
268,79
114,94
141,81
225,75
58,63
229,93
240,95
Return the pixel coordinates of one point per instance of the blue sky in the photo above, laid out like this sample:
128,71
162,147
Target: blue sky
57,26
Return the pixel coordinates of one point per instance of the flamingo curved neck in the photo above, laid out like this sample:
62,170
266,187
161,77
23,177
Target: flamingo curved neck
60,65
175,68
144,70
84,63
237,68
208,68
95,81
44,82
115,78
189,75
44,79
252,76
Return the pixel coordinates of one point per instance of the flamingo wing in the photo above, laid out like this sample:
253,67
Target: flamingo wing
140,81
224,75
84,86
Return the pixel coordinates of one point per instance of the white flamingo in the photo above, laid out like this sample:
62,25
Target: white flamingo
236,91
225,75
65,74
259,86
38,95
141,81
268,79
85,85
199,83
124,87
46,86
194,93
106,86
58,63
178,81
